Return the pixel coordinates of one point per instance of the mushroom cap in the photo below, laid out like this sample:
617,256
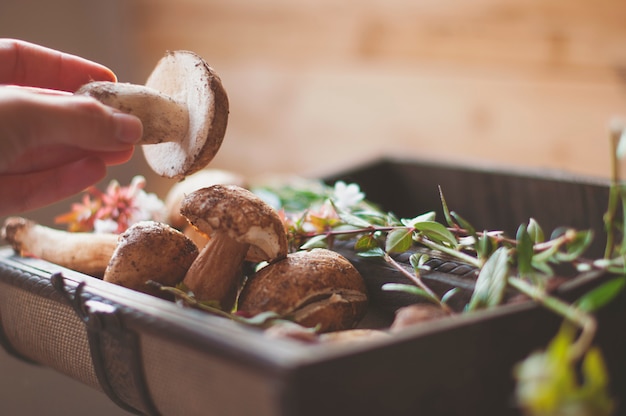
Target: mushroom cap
150,250
317,287
188,79
198,180
240,214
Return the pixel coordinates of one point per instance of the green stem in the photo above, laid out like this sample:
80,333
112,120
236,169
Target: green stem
451,252
583,320
415,278
614,191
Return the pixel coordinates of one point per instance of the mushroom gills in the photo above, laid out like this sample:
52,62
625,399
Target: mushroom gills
315,310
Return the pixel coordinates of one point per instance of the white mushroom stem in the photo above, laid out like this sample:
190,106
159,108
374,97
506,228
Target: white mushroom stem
216,273
164,119
87,253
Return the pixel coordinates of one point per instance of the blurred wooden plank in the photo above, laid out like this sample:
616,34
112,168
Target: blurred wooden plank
510,32
316,85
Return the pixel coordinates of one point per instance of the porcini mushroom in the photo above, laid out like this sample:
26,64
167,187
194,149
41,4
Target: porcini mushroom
183,108
150,250
314,288
87,253
241,226
198,180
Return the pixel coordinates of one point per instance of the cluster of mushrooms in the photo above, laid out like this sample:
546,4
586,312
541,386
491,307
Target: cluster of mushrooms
215,225
233,227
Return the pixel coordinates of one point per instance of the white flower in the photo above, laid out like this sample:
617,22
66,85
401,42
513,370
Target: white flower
347,195
104,226
147,207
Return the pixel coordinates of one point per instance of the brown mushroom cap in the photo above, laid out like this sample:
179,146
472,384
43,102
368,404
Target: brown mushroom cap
242,215
149,250
318,287
198,180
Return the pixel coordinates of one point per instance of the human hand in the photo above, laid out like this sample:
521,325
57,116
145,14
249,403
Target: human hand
54,144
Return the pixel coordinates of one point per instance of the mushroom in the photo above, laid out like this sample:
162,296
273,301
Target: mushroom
416,314
198,180
150,250
183,108
353,336
292,331
87,253
241,227
313,288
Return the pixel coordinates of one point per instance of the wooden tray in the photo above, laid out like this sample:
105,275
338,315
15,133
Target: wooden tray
152,357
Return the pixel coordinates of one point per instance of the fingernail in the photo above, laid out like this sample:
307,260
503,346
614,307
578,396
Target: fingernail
128,128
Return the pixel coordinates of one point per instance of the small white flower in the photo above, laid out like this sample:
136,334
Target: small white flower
104,226
347,195
147,207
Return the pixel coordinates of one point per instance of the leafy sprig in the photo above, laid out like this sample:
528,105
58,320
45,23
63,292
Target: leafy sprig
524,263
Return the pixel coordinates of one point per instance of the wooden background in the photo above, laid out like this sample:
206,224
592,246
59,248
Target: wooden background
319,85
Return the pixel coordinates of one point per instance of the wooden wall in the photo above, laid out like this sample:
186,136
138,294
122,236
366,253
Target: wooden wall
319,84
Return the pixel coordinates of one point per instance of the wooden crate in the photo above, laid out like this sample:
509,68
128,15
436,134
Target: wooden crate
152,357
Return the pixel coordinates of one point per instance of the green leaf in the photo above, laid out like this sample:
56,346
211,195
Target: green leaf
318,241
410,222
446,211
371,216
601,295
413,290
436,232
259,319
418,261
491,282
542,266
546,255
535,231
595,389
353,220
576,246
366,242
374,252
463,223
399,240
548,383
449,294
484,246
524,251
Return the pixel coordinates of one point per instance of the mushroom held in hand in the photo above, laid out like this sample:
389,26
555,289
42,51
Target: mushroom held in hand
241,226
150,250
87,253
317,287
183,108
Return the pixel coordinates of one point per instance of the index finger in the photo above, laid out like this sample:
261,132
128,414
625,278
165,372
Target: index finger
27,64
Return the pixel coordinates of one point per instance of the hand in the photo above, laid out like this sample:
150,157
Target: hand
54,144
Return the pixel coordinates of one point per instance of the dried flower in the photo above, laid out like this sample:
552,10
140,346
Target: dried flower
114,210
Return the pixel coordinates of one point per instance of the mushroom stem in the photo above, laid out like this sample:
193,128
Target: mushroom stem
87,253
164,119
217,271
